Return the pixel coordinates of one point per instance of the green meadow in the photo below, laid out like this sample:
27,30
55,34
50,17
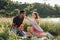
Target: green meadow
47,24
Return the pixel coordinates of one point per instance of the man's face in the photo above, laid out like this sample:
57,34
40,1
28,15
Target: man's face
23,14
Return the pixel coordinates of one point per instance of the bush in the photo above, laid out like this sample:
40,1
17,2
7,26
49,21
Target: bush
57,38
6,34
51,27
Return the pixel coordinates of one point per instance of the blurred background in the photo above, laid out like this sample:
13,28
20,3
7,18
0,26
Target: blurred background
49,12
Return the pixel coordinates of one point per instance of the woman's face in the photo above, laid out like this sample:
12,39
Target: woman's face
33,15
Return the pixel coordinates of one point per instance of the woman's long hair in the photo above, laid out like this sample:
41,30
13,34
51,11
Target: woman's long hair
37,17
36,14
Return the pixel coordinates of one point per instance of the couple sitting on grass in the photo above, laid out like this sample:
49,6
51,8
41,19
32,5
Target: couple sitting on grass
35,30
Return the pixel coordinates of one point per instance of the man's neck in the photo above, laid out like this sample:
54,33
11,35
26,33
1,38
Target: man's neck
20,16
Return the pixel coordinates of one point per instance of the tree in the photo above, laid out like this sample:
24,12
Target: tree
30,8
57,8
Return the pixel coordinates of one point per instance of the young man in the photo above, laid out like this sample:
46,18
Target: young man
17,24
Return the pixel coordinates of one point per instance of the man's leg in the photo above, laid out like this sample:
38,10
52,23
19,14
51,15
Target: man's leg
20,33
13,30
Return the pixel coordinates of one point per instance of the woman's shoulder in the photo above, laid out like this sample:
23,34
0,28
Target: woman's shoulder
37,19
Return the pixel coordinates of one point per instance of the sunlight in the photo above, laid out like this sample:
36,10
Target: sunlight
55,19
51,2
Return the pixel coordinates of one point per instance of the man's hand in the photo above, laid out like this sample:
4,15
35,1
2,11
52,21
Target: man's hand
21,27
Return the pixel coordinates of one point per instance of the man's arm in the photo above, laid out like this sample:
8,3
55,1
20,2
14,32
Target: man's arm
13,25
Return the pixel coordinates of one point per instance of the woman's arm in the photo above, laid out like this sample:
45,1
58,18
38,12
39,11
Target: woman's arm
38,22
35,24
30,20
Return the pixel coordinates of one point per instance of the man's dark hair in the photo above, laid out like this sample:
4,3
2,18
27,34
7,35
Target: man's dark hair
22,11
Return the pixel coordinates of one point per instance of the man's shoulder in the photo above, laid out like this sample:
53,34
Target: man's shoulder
15,17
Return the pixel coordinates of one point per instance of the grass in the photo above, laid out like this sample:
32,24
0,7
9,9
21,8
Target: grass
5,25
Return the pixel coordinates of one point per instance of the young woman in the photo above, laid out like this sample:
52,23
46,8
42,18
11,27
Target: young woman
35,17
36,29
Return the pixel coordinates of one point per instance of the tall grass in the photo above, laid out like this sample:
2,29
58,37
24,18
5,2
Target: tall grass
6,34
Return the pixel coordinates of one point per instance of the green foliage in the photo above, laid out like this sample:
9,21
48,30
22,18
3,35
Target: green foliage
57,38
6,34
26,25
51,27
44,10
